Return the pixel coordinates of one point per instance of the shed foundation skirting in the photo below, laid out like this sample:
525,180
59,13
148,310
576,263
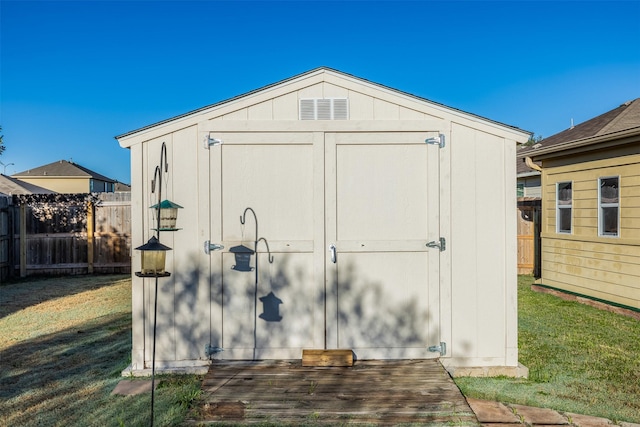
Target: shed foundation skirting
183,367
201,367
519,371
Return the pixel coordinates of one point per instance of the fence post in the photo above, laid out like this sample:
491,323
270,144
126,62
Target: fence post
6,238
23,239
90,236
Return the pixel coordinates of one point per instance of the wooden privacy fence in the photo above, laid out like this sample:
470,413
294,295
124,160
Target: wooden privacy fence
529,236
91,233
60,234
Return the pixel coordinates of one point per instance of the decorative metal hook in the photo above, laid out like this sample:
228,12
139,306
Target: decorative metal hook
257,239
163,152
268,250
158,172
157,175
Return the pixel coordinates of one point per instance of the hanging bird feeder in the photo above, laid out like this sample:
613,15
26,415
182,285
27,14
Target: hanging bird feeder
168,215
153,259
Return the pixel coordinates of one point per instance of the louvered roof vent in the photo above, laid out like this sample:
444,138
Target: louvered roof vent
324,109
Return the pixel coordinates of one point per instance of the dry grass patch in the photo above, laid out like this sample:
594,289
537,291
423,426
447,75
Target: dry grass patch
32,310
63,345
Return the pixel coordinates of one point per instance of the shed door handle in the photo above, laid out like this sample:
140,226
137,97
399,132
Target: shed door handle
334,255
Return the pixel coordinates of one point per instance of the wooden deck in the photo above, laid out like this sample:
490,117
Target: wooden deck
408,392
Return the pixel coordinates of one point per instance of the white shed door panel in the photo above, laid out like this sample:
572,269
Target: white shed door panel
382,210
273,175
373,196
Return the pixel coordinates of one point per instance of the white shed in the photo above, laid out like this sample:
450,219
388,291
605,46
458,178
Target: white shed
389,219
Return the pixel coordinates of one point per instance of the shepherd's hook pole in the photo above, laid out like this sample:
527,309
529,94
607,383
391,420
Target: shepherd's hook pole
153,356
157,175
255,293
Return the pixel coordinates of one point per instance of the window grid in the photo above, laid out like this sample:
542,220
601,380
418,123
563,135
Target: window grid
609,206
564,202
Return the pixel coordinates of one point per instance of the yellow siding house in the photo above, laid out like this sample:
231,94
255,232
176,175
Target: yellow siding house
67,177
591,207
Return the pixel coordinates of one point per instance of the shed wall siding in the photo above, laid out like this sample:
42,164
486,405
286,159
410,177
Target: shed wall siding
184,309
607,268
139,315
483,244
190,282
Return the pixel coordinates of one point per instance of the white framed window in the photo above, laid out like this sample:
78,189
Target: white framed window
564,204
609,206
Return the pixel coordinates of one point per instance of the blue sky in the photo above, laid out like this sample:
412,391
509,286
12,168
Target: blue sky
75,74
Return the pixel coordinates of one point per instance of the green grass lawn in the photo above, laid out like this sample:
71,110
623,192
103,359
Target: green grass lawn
63,345
64,342
580,359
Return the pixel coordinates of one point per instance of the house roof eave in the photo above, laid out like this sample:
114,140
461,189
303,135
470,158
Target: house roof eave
587,144
528,174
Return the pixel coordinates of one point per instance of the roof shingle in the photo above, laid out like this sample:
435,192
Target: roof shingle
626,116
62,168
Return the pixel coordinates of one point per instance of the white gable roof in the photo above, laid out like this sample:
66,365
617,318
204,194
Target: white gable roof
299,84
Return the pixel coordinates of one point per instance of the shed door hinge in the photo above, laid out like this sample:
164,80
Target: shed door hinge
209,141
209,247
442,348
440,244
436,140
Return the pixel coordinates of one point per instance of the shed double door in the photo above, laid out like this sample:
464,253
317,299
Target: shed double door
347,217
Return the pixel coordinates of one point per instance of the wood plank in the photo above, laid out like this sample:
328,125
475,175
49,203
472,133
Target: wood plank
287,393
311,357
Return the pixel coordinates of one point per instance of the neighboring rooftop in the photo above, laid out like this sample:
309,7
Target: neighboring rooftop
62,168
12,186
121,187
622,118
